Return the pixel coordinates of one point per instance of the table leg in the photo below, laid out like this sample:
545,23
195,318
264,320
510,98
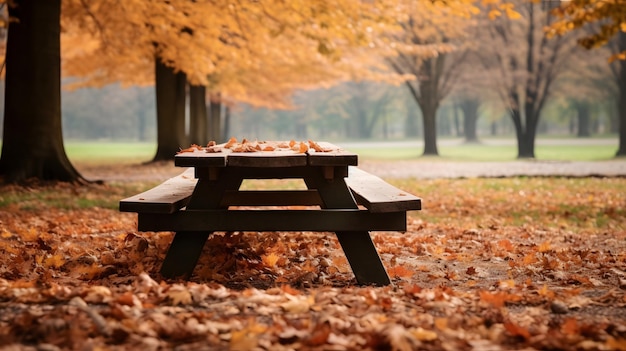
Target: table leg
183,254
186,247
357,245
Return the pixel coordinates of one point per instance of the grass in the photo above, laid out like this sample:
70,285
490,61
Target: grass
109,152
128,153
67,196
480,152
519,201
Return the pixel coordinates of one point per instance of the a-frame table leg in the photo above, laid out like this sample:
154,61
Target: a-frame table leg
357,245
183,254
186,247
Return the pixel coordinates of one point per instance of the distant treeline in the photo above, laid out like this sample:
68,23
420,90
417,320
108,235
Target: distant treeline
349,111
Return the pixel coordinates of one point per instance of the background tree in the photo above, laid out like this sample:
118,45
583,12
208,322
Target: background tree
252,52
618,70
528,64
610,18
583,89
426,43
32,144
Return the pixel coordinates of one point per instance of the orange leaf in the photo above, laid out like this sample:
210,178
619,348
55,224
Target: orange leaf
232,141
506,245
400,271
517,330
570,326
320,334
544,247
270,259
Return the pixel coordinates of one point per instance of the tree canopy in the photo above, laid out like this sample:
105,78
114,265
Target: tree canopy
255,52
602,19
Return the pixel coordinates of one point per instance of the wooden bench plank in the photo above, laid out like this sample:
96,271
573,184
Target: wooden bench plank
271,198
379,196
168,197
272,220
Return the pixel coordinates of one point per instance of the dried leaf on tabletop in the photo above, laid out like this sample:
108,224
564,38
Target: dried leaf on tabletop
232,141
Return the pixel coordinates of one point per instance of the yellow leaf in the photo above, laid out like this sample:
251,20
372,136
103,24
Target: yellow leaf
493,14
298,304
544,247
270,259
247,338
512,14
424,335
545,292
54,261
5,234
179,295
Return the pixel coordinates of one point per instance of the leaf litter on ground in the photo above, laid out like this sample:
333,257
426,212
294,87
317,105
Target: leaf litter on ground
488,264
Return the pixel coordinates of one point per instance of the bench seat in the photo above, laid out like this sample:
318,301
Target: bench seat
167,197
379,196
369,191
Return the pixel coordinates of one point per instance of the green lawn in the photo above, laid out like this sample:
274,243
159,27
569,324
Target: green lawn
492,152
118,152
109,152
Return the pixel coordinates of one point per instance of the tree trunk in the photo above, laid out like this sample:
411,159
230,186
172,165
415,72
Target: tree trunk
621,150
584,118
621,107
198,130
226,122
525,135
429,113
215,124
170,101
470,118
32,135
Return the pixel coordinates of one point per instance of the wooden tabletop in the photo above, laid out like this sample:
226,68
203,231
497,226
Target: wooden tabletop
266,154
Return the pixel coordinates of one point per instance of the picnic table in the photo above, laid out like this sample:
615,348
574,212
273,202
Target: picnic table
207,198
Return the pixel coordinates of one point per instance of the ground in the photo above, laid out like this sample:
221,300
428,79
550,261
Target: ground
488,264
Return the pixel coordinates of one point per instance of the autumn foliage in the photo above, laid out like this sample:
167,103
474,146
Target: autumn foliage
488,264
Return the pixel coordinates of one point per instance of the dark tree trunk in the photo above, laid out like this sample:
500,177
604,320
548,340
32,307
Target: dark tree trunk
215,118
621,151
170,103
525,135
32,135
226,122
621,103
429,113
470,118
198,130
583,116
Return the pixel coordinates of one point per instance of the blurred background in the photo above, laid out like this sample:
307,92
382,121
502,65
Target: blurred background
447,75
